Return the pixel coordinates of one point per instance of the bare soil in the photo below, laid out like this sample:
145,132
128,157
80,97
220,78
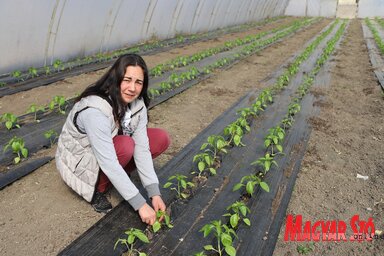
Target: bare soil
40,215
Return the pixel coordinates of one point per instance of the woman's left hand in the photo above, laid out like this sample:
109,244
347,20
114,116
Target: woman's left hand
158,204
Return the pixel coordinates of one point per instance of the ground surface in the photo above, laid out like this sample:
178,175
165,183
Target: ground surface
40,215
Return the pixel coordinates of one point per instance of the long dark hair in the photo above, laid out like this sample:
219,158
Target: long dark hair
108,86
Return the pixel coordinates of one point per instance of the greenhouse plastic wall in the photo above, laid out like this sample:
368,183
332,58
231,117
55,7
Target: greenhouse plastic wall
42,31
370,8
323,8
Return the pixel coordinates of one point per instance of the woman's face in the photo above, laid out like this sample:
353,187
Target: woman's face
132,83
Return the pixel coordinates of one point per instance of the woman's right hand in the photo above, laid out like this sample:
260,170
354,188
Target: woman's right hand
147,214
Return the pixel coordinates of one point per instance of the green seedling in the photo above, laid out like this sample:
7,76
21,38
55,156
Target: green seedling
215,145
57,65
165,86
17,74
265,162
161,215
246,112
33,72
18,147
47,70
10,120
58,101
200,254
132,235
286,123
180,185
235,133
224,236
158,70
274,138
243,123
293,109
2,84
249,182
266,96
205,162
52,135
34,109
153,92
238,212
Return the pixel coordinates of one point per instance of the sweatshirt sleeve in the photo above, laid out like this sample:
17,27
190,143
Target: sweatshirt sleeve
98,129
143,158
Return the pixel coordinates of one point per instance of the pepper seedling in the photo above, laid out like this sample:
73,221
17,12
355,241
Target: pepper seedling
249,182
34,109
224,236
238,211
52,135
10,120
132,235
266,162
18,147
161,215
180,184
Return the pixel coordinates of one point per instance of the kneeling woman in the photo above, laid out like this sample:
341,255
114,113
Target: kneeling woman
105,137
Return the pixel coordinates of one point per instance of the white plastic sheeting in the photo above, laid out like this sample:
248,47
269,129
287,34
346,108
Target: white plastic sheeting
370,8
36,33
323,8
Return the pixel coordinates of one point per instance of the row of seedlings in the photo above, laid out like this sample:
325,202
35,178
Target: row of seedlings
11,121
379,41
208,161
58,65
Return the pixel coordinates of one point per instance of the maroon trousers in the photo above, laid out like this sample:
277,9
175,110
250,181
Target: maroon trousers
159,141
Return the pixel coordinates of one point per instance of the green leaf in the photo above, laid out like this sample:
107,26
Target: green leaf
183,183
264,186
17,160
247,221
208,247
24,152
249,187
131,238
226,240
236,140
156,226
8,124
142,254
140,235
212,170
230,250
234,220
201,166
183,195
237,186
280,148
167,185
